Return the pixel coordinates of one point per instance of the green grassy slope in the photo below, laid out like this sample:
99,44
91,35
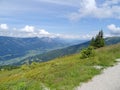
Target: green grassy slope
64,51
60,74
34,55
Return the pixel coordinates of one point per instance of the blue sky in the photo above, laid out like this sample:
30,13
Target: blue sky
72,19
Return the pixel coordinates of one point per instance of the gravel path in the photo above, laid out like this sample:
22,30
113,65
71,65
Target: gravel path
108,80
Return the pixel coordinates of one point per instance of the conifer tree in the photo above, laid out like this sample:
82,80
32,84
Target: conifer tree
92,41
98,41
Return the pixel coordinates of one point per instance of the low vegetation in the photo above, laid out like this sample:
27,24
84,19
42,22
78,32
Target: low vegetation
8,67
60,74
98,41
88,52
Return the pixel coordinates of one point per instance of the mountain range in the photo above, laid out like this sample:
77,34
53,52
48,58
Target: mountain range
67,51
12,47
46,48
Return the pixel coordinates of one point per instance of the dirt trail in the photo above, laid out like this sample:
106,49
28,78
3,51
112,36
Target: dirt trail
108,80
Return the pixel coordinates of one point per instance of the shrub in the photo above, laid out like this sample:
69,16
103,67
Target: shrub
25,67
33,65
88,52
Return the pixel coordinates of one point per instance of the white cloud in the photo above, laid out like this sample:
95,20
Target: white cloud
28,28
90,8
32,31
114,29
3,26
43,32
27,31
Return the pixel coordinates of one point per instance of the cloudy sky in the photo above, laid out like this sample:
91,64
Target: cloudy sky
72,19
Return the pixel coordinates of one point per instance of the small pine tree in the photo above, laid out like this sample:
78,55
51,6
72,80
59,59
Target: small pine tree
92,41
101,34
98,41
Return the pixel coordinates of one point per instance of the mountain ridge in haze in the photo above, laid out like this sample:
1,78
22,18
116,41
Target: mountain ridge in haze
69,50
12,47
60,52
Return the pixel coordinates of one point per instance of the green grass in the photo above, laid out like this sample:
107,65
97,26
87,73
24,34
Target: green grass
64,73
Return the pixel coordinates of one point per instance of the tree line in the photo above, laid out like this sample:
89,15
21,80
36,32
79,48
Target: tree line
98,41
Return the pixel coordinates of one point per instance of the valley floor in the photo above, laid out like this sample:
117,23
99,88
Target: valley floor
108,80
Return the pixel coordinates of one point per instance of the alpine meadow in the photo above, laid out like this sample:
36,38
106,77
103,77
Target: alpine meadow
59,44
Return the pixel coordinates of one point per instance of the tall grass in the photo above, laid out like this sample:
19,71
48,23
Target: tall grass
60,74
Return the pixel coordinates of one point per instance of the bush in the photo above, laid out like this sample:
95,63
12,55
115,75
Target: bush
88,52
33,65
25,67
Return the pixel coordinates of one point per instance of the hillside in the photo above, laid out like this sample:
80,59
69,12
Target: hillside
57,53
112,40
60,74
65,51
12,47
45,47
